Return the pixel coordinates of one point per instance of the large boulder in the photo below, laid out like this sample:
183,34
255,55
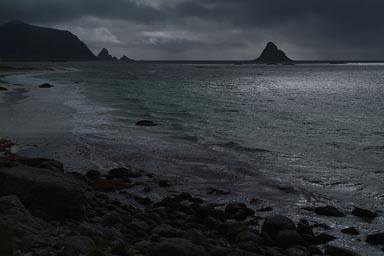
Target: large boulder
375,239
41,163
26,231
274,224
288,238
364,213
75,245
304,228
337,251
329,211
176,247
45,193
238,211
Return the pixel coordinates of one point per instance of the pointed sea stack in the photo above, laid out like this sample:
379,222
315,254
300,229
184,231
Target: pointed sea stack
23,42
272,54
104,55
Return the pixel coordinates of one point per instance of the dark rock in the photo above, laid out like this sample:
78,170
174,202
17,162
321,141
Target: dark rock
93,174
42,163
46,86
246,236
232,229
375,239
251,246
195,236
167,231
220,251
322,226
25,230
314,250
45,193
125,58
146,123
265,209
288,238
241,253
197,200
104,55
238,211
124,173
76,245
111,219
273,224
297,251
23,42
364,213
3,89
329,211
164,183
52,165
337,251
120,249
176,247
78,175
310,239
272,54
324,238
303,227
138,225
275,251
350,231
267,239
217,192
143,200
96,230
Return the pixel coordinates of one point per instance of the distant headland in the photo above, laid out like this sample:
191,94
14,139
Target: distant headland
22,42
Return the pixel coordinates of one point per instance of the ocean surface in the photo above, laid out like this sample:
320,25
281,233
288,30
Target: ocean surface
290,136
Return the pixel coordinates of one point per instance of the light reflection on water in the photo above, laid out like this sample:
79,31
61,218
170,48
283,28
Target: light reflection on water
291,134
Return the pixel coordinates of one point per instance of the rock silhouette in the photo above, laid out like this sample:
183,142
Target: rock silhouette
125,58
272,54
24,42
105,56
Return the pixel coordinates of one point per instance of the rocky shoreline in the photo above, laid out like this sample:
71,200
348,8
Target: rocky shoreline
46,211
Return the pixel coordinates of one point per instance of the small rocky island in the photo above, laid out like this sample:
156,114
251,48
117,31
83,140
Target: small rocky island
104,55
272,54
126,59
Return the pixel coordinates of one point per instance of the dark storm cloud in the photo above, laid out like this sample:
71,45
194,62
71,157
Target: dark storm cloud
63,10
337,29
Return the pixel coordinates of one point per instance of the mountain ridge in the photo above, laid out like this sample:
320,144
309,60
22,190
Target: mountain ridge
25,42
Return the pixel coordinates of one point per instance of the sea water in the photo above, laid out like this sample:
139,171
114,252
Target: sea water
294,136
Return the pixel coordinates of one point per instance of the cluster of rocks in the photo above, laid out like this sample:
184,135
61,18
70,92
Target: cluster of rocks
5,146
44,211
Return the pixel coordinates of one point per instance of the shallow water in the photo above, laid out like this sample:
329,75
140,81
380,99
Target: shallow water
293,135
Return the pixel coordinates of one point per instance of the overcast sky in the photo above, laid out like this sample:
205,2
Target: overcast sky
214,29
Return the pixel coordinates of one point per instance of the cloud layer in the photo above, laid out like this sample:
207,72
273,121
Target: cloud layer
214,29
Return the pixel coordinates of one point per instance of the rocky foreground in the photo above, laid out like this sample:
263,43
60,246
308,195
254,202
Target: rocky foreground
45,211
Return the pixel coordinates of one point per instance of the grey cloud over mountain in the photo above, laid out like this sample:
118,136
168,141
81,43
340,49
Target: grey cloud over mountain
214,29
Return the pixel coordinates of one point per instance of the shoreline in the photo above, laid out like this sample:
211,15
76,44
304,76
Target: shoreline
216,194
120,204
